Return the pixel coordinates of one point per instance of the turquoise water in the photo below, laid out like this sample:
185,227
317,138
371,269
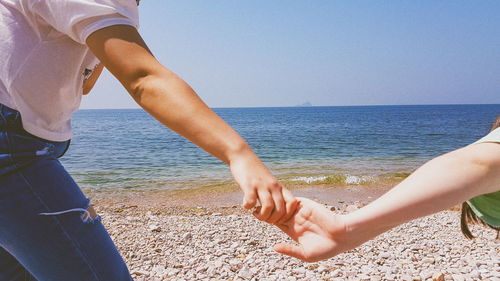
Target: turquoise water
114,149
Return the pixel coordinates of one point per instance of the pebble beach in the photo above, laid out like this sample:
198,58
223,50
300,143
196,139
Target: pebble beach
191,238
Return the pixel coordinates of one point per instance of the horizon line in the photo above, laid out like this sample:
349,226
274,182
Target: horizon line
300,106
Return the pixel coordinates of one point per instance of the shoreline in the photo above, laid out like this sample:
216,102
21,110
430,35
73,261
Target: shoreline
226,200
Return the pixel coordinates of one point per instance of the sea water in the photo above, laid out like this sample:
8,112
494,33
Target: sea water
351,145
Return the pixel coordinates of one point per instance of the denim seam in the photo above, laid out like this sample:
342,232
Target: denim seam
60,225
27,275
1,113
9,146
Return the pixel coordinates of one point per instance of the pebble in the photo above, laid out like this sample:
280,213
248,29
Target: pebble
457,277
186,236
384,255
474,274
428,260
425,275
438,276
245,273
351,208
154,227
139,272
321,269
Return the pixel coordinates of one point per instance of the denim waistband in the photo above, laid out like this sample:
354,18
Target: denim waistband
11,122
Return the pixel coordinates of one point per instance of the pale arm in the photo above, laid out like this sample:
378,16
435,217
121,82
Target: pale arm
441,183
438,185
173,102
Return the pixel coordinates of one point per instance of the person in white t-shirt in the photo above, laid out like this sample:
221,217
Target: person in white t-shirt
51,52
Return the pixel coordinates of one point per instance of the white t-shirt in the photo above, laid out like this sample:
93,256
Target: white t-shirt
44,60
493,136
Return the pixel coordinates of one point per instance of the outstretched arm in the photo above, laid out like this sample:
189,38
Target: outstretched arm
173,102
439,184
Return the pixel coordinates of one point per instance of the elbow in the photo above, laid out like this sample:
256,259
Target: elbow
139,85
145,85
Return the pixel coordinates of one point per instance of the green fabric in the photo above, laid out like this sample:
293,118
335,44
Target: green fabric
487,206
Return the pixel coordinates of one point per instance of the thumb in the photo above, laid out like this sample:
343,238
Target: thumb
290,250
249,200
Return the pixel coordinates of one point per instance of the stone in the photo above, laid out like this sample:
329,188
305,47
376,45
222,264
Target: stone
321,269
428,260
299,270
363,277
406,277
154,228
140,273
187,236
474,274
425,275
384,255
457,277
351,208
245,273
438,276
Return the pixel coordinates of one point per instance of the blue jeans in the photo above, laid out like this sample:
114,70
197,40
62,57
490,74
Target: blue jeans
46,232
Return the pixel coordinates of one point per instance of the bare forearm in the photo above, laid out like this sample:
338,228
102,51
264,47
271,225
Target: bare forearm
163,94
175,104
439,184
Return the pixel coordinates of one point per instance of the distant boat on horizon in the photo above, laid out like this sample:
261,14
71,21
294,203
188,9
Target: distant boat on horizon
304,104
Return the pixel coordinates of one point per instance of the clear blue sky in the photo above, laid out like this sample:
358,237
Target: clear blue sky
284,53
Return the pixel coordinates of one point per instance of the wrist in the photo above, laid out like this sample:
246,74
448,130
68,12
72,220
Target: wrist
363,226
239,152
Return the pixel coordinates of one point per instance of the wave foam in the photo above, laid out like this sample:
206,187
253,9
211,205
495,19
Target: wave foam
309,179
347,179
358,179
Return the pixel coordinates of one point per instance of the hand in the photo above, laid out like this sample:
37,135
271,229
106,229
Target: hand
321,234
259,185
